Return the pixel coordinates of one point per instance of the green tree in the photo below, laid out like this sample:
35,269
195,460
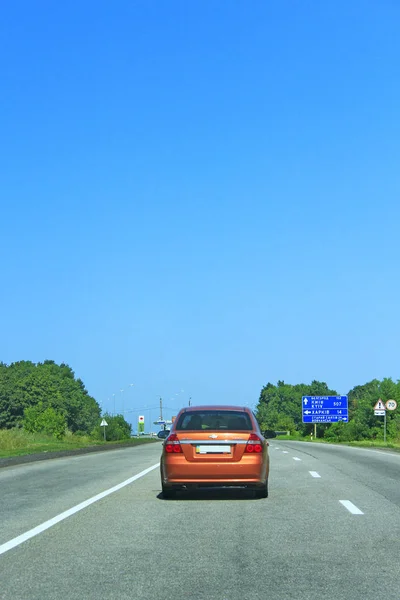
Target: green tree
281,404
279,407
362,399
24,384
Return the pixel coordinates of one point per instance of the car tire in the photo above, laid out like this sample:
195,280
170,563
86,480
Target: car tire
168,493
262,492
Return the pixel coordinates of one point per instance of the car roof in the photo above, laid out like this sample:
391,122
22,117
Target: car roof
219,407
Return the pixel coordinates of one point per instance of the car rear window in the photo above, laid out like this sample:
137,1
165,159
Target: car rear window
228,420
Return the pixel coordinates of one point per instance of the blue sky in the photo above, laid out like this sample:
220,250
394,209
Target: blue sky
201,196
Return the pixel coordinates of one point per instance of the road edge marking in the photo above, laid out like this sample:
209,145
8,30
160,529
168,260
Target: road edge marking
20,539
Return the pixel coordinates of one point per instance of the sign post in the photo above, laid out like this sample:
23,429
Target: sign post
383,412
380,411
104,424
324,409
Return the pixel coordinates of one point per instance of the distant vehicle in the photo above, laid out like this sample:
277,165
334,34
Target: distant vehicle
269,434
164,433
215,446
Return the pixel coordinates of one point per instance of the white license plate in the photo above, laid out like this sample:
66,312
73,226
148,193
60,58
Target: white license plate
213,449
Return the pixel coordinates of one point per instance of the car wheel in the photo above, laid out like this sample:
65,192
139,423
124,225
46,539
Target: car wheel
168,493
262,492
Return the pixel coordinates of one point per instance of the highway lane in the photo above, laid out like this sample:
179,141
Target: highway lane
377,470
34,492
300,543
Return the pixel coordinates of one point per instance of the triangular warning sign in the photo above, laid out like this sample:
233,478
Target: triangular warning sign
380,405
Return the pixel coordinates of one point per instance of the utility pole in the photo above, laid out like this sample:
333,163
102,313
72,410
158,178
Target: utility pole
161,409
190,401
131,386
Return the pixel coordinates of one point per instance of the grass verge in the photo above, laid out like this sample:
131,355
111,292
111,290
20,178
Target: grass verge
17,442
392,444
374,444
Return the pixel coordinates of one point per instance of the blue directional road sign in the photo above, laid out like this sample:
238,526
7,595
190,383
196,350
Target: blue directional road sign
324,409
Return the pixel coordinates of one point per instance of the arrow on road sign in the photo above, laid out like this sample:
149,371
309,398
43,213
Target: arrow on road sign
305,401
307,412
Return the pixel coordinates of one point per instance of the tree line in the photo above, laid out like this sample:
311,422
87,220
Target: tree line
47,397
280,408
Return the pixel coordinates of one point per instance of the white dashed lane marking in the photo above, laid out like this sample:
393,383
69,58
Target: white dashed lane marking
351,507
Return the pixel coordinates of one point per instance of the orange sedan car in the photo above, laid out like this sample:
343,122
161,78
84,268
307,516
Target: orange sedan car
215,446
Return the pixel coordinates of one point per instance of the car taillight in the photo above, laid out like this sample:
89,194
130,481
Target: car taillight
254,444
172,444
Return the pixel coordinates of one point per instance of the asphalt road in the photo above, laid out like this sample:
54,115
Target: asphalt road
330,530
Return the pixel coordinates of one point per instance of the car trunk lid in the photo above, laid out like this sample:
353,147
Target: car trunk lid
213,446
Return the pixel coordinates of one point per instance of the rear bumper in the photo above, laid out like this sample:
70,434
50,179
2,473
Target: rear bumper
178,471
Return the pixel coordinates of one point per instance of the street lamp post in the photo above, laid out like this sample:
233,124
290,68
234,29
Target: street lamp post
131,386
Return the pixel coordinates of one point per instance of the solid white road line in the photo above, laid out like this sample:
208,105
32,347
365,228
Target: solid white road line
351,507
296,458
314,474
71,511
285,452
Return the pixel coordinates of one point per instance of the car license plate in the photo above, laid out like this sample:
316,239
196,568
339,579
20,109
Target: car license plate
213,449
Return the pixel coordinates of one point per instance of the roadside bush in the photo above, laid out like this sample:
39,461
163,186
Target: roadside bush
285,423
352,431
117,429
44,420
394,428
335,432
10,439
